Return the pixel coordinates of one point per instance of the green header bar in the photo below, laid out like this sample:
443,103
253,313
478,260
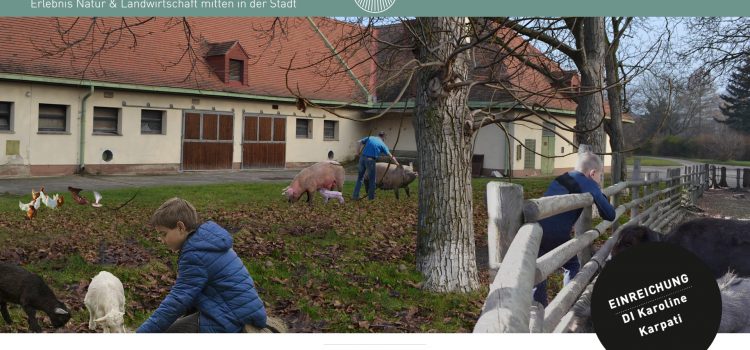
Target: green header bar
352,8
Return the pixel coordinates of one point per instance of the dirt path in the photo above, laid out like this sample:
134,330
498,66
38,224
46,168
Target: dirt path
725,203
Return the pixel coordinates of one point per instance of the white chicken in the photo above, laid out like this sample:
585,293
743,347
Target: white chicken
30,208
26,206
97,198
50,202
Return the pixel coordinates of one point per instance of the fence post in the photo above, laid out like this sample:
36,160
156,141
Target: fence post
714,183
746,177
505,217
696,179
694,186
738,179
705,178
646,192
584,221
671,173
635,191
723,181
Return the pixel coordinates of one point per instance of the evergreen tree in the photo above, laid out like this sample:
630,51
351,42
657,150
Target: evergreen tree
737,108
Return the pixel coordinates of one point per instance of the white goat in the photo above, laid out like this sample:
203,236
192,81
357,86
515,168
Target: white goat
105,301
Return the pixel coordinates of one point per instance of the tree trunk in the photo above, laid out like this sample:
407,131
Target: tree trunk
590,105
445,229
614,97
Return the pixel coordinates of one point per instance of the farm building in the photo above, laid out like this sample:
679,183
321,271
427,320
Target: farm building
218,100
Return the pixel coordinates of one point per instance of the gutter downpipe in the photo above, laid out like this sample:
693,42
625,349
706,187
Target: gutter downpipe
82,144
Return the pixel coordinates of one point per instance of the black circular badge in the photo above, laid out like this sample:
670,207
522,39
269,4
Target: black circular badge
656,296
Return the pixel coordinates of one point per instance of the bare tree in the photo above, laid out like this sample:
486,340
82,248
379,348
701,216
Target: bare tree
615,96
719,43
581,39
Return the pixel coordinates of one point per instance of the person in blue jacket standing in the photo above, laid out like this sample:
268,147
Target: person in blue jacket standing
557,229
371,148
211,278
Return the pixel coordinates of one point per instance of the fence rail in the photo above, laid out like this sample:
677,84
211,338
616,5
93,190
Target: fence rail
514,237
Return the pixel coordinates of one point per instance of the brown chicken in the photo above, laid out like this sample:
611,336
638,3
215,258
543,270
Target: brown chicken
35,195
29,208
31,212
76,197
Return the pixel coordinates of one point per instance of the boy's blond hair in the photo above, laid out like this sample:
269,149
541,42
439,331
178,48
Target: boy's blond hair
174,210
589,161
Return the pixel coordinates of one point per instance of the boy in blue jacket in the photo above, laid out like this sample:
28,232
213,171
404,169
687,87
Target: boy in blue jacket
210,278
557,229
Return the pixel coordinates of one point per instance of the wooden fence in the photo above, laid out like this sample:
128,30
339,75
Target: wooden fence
514,237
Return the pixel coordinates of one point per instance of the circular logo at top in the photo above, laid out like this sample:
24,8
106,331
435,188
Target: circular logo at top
656,296
375,6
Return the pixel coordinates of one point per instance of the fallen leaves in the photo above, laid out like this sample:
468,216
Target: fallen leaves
320,268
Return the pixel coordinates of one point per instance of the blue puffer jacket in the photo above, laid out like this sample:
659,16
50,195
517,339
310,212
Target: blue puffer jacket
557,229
212,278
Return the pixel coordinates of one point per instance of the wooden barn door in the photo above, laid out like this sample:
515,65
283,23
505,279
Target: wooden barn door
264,142
207,141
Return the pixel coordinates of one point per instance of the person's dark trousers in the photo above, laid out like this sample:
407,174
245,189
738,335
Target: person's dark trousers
366,164
186,324
571,267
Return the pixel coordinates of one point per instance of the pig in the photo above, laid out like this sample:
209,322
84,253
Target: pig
722,244
735,304
328,195
634,235
582,321
393,177
105,301
327,175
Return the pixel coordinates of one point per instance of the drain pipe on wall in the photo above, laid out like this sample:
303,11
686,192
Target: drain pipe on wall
82,144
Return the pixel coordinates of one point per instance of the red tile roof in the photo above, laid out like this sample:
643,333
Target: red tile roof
156,56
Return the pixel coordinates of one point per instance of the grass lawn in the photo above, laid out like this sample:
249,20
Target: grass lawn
325,268
648,161
739,163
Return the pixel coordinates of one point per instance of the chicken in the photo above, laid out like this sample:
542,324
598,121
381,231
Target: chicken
35,195
76,197
97,198
50,202
30,208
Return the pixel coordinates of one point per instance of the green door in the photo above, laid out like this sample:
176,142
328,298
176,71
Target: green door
529,157
548,150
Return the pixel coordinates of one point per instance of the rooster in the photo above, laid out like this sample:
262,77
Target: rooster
76,197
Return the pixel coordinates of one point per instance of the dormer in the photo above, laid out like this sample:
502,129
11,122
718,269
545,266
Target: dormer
229,61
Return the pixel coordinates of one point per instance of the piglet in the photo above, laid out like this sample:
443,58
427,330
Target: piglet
331,195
